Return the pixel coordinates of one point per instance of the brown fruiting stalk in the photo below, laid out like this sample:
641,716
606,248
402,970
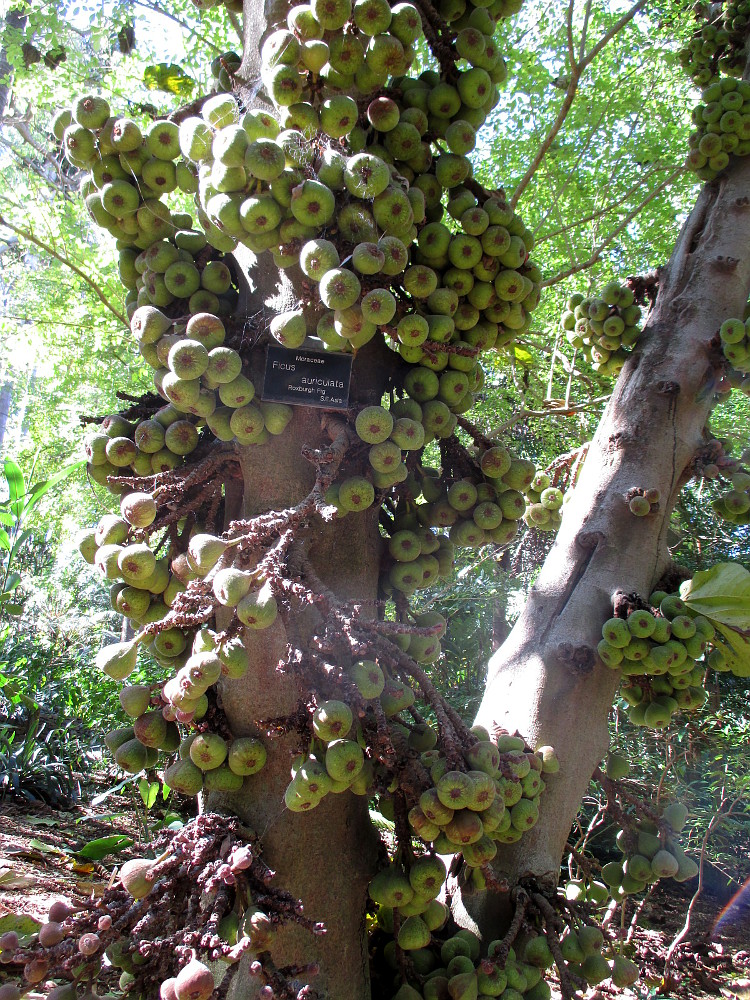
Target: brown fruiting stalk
208,865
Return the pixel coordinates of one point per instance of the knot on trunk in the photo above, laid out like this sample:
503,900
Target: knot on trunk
579,659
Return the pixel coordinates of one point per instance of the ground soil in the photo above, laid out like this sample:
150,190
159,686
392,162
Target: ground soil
38,848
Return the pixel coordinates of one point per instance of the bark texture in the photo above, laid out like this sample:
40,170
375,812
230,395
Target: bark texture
326,857
546,680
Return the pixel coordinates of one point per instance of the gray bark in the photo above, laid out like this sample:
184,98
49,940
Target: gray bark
327,857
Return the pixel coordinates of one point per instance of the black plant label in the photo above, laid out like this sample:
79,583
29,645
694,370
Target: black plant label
307,378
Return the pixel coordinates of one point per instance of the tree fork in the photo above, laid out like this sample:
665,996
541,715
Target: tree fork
546,680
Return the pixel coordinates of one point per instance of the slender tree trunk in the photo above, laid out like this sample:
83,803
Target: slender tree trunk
6,401
546,680
327,857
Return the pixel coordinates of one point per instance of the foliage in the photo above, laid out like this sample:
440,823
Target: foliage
15,511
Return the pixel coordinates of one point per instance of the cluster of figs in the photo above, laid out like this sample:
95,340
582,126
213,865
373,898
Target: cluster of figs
715,60
717,44
353,192
650,851
662,652
604,326
649,842
452,969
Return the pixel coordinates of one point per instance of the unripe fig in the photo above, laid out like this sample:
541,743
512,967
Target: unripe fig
134,876
194,982
118,659
150,728
50,934
135,699
132,756
208,750
89,944
59,910
138,509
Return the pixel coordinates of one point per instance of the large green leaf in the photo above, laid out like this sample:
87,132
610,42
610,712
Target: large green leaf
38,490
16,486
721,593
95,850
4,540
21,923
20,540
169,77
11,582
736,649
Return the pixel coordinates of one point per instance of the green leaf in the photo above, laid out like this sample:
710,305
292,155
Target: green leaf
20,540
16,485
103,796
39,845
40,821
168,77
21,923
721,593
4,540
149,791
522,356
38,490
95,850
736,649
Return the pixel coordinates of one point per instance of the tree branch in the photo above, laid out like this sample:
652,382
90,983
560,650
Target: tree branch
63,259
576,71
235,21
561,230
613,234
177,20
609,35
562,411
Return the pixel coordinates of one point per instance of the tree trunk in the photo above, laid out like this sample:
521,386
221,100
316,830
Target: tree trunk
546,680
325,858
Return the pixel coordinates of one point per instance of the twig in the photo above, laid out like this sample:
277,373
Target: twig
577,68
638,910
718,817
561,411
613,234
